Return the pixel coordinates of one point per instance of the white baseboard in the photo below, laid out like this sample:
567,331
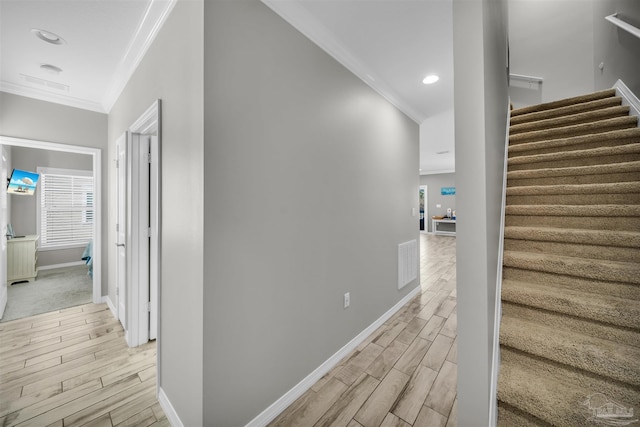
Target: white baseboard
66,264
299,389
628,98
107,300
167,407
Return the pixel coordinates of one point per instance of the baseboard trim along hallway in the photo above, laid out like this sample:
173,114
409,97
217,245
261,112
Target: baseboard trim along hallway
299,389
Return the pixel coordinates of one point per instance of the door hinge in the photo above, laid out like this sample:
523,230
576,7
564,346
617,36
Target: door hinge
117,163
117,291
147,157
149,232
117,228
148,307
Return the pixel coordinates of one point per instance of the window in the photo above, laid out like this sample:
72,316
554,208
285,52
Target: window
65,208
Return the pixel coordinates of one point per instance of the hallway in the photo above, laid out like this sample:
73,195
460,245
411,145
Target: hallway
405,373
73,367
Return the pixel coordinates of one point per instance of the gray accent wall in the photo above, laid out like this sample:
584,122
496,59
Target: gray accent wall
434,184
310,180
172,71
24,208
30,118
481,104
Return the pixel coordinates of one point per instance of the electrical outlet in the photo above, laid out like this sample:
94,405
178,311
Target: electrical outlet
347,300
438,206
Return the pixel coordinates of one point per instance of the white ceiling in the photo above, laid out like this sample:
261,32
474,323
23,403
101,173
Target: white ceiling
105,41
390,44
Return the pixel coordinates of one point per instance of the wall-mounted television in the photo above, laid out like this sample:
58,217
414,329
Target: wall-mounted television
23,182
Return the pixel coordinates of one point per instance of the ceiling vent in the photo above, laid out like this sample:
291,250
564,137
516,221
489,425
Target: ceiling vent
45,83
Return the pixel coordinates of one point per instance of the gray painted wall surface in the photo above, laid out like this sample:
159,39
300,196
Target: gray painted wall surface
172,71
566,52
479,43
44,121
435,182
616,48
24,209
552,40
310,179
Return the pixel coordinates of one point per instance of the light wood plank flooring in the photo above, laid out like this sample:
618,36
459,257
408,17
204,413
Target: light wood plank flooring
72,367
405,373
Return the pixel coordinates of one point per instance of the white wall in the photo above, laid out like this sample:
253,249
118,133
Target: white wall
61,124
437,135
310,178
480,34
172,71
552,39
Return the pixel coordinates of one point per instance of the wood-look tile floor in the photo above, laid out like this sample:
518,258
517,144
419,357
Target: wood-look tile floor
405,373
73,367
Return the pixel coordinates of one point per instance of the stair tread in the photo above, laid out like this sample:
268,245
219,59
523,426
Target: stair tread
606,188
605,270
633,148
621,134
601,169
599,126
570,109
554,394
603,308
570,119
600,356
574,210
628,239
607,93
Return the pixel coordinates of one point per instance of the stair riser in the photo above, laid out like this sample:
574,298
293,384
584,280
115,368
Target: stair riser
560,112
575,199
609,253
596,287
575,379
602,271
568,121
511,307
617,223
561,320
580,130
609,93
598,359
572,162
575,179
508,417
551,148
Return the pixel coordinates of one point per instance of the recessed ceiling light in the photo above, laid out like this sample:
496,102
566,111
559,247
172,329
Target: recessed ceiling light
52,69
442,152
431,78
47,36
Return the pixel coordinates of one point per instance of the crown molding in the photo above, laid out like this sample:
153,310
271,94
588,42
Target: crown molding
43,95
154,18
298,17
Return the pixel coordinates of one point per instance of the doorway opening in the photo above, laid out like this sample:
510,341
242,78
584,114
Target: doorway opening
96,195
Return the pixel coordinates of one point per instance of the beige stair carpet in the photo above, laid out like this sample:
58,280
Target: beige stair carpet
570,327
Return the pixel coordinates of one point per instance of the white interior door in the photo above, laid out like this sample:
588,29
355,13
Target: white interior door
137,240
121,228
3,229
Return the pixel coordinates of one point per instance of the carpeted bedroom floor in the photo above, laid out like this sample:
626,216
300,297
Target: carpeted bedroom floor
52,290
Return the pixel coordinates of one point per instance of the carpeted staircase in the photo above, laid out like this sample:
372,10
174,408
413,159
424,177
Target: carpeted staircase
570,329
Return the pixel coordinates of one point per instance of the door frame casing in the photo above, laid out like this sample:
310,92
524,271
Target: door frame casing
96,154
149,123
